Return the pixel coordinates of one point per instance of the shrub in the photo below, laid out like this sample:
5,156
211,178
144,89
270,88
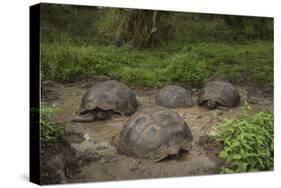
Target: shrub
186,68
138,77
50,131
248,142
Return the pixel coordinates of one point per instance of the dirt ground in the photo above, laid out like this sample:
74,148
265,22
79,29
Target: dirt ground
96,156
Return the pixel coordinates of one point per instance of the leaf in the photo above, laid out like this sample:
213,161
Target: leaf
248,143
227,171
223,154
237,156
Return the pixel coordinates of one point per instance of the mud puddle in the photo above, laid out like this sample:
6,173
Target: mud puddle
97,138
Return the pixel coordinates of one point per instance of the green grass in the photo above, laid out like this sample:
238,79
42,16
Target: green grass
249,63
188,65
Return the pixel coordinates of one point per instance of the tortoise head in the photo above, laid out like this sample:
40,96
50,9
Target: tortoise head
211,104
85,117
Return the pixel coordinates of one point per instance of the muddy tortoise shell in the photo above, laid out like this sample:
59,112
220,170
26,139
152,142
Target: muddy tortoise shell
154,133
109,95
174,97
224,93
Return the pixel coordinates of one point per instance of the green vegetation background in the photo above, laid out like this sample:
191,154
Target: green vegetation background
86,42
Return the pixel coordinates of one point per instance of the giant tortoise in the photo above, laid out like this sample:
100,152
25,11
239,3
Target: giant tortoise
105,99
219,93
154,133
174,97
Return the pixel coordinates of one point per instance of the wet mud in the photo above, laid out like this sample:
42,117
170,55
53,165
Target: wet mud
94,143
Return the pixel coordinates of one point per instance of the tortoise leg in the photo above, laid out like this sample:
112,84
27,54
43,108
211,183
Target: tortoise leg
211,104
222,108
88,117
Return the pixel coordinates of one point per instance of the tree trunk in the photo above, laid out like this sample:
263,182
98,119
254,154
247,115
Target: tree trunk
138,28
153,38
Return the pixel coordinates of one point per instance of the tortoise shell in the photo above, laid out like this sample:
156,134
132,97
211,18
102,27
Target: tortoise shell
109,95
224,93
174,97
154,133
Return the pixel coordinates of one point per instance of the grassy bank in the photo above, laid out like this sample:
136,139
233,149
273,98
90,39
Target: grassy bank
188,65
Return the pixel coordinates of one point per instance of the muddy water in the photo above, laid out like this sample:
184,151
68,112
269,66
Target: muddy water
97,138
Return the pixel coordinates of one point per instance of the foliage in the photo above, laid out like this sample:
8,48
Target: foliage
248,63
69,24
90,25
186,68
234,48
50,131
245,28
135,68
248,142
71,63
80,42
188,65
127,27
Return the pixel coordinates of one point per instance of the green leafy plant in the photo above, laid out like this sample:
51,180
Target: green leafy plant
50,131
186,68
248,142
